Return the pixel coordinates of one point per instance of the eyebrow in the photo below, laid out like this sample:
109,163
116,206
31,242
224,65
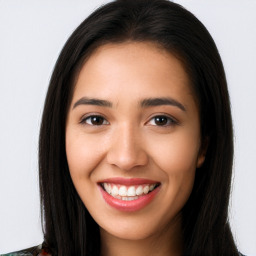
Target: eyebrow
92,101
152,102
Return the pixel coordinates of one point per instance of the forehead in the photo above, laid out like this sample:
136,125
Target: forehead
129,69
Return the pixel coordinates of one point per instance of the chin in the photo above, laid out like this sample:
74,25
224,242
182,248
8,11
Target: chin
130,232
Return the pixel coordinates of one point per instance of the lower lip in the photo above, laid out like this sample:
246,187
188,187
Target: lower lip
129,206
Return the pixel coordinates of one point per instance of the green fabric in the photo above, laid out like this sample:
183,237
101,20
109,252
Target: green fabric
17,254
33,251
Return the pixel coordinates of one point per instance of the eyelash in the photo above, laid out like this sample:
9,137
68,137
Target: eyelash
83,121
170,121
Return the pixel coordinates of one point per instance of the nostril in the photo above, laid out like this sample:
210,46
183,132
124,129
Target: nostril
127,159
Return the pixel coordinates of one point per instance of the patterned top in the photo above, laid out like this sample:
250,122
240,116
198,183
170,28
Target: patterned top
38,251
33,251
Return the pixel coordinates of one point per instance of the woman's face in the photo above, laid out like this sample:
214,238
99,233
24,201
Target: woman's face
133,139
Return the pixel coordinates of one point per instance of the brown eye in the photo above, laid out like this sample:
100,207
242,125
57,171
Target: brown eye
162,121
95,120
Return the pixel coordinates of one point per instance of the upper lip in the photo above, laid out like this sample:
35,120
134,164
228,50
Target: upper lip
128,181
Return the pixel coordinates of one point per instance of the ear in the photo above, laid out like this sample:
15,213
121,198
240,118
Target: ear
202,152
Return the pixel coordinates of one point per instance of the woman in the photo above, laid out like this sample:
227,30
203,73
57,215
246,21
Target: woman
136,142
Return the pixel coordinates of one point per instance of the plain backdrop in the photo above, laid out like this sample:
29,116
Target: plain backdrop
32,34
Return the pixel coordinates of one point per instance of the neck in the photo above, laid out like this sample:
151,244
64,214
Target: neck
166,242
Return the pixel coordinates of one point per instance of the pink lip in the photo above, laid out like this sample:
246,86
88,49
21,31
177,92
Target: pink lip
129,206
128,181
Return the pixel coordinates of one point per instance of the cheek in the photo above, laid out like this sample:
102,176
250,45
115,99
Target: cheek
178,155
83,154
177,162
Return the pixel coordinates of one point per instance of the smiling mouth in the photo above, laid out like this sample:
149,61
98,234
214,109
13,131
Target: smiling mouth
128,193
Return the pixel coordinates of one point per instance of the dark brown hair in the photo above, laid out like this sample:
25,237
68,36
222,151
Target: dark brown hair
68,227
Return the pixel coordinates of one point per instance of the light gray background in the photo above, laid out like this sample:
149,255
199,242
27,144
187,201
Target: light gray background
32,34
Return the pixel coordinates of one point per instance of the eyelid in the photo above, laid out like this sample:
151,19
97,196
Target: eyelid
173,121
90,115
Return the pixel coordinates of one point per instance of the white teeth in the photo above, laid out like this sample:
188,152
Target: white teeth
114,190
127,198
122,191
151,187
146,189
131,191
107,187
139,191
127,193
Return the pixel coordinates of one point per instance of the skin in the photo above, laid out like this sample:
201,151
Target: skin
130,143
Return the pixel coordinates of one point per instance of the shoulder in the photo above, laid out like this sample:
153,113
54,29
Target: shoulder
33,251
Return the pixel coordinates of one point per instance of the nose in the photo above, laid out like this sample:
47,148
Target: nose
126,149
